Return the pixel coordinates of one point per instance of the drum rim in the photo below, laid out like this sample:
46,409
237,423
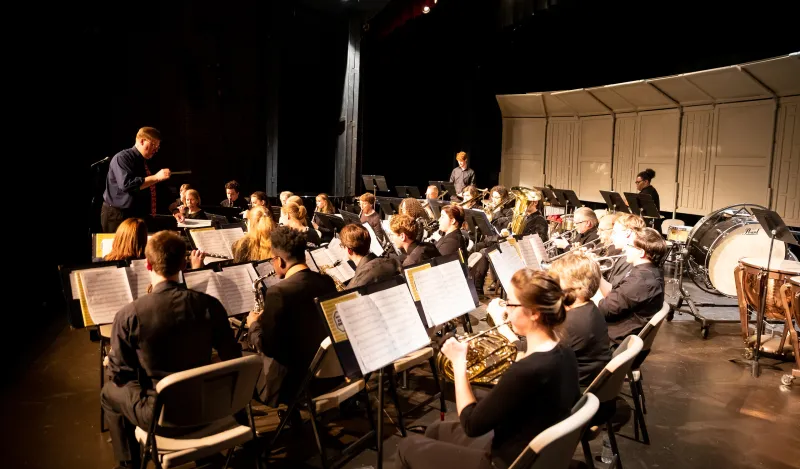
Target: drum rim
795,280
772,267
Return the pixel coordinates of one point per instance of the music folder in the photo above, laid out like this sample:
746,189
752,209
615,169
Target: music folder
408,191
372,326
218,242
615,202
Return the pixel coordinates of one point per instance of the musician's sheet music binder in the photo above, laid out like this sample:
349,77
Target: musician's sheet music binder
216,241
441,288
506,262
531,255
408,191
265,268
615,202
329,256
231,285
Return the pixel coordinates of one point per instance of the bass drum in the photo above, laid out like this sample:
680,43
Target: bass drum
718,241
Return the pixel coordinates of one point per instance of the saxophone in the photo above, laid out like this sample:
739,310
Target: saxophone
258,284
323,269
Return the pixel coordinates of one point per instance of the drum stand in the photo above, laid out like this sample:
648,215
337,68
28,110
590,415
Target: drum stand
683,295
756,371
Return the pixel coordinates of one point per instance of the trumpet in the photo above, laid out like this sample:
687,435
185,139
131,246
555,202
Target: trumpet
568,235
603,267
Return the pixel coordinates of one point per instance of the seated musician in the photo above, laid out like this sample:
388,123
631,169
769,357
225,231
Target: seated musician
405,230
232,197
129,241
585,221
535,222
413,208
535,392
585,329
290,329
323,205
469,196
181,201
369,267
432,192
191,210
640,294
295,217
450,225
256,245
259,198
501,214
620,235
604,228
284,196
371,216
170,330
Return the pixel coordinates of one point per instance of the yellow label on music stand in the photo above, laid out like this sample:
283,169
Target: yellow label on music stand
410,276
334,323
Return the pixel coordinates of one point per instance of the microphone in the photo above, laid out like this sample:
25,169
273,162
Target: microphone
107,158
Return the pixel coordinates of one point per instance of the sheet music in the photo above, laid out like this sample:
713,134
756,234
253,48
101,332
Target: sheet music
506,263
382,327
310,262
337,250
211,241
374,245
74,284
205,281
106,291
190,223
105,246
236,284
444,292
538,248
265,268
389,233
529,255
138,277
230,236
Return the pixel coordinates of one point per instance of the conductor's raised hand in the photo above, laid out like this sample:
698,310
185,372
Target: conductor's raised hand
163,174
456,351
196,258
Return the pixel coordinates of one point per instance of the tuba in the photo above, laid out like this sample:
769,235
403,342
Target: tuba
489,355
524,197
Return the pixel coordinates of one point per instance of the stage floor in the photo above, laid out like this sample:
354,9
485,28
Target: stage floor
704,409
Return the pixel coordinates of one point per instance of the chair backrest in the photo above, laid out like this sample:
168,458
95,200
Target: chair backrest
208,393
329,366
608,383
650,330
555,446
670,222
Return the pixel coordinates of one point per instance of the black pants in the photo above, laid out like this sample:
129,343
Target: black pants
127,407
445,445
112,217
481,268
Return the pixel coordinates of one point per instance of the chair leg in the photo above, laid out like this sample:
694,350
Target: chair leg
440,387
393,392
641,393
103,428
614,449
228,458
317,435
638,417
587,452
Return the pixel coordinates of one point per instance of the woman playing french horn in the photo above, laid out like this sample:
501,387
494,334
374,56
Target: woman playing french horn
534,393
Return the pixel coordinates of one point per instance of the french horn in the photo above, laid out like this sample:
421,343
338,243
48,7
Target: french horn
489,355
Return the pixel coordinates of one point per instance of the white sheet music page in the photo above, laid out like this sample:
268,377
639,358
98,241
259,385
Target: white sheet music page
230,236
106,245
106,291
138,277
310,262
506,263
210,241
338,251
265,268
191,223
538,248
374,245
444,292
528,254
73,281
204,281
402,319
236,283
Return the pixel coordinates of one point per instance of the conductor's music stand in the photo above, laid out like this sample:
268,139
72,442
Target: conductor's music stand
375,183
615,202
408,191
774,227
444,187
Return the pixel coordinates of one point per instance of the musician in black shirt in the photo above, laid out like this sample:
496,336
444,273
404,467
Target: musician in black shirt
369,267
233,199
534,393
371,216
643,181
640,295
585,221
171,329
621,235
405,230
452,239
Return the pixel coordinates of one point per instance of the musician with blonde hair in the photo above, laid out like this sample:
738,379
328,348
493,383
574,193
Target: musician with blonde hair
535,392
285,196
191,210
294,217
256,244
619,237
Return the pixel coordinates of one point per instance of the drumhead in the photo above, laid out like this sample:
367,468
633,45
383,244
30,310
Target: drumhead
795,280
739,241
782,266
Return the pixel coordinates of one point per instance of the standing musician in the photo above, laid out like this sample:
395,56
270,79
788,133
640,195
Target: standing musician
369,267
461,176
128,175
405,230
643,181
169,330
371,216
450,224
289,330
535,392
640,295
255,245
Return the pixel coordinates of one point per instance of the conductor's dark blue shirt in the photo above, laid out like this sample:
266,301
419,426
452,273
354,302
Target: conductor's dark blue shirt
126,174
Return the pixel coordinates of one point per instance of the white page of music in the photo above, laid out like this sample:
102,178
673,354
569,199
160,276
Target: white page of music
389,233
73,280
528,254
210,241
310,262
538,248
204,281
444,292
337,250
105,246
382,327
265,268
138,277
191,223
106,291
374,245
230,236
236,283
506,263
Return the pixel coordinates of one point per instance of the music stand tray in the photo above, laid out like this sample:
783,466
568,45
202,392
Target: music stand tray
633,202
615,202
445,186
549,196
408,191
375,182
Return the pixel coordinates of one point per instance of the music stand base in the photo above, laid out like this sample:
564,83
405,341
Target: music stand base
705,323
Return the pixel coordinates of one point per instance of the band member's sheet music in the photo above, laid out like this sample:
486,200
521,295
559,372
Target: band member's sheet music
506,263
326,257
538,247
310,261
444,292
232,287
106,292
265,268
529,256
374,245
216,241
382,327
138,277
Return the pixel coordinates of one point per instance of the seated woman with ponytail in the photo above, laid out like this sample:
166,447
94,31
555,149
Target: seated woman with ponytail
256,245
584,330
294,216
536,392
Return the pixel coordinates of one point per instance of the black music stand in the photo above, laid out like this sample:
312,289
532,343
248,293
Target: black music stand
644,206
774,227
615,202
478,221
375,183
389,205
436,207
408,191
549,196
350,218
570,196
444,188
633,203
331,221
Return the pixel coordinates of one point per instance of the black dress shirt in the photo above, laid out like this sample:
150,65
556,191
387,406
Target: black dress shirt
374,269
451,243
462,178
535,223
126,174
238,203
650,190
419,252
374,221
198,215
169,330
584,331
638,297
587,237
619,269
533,394
290,329
502,219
